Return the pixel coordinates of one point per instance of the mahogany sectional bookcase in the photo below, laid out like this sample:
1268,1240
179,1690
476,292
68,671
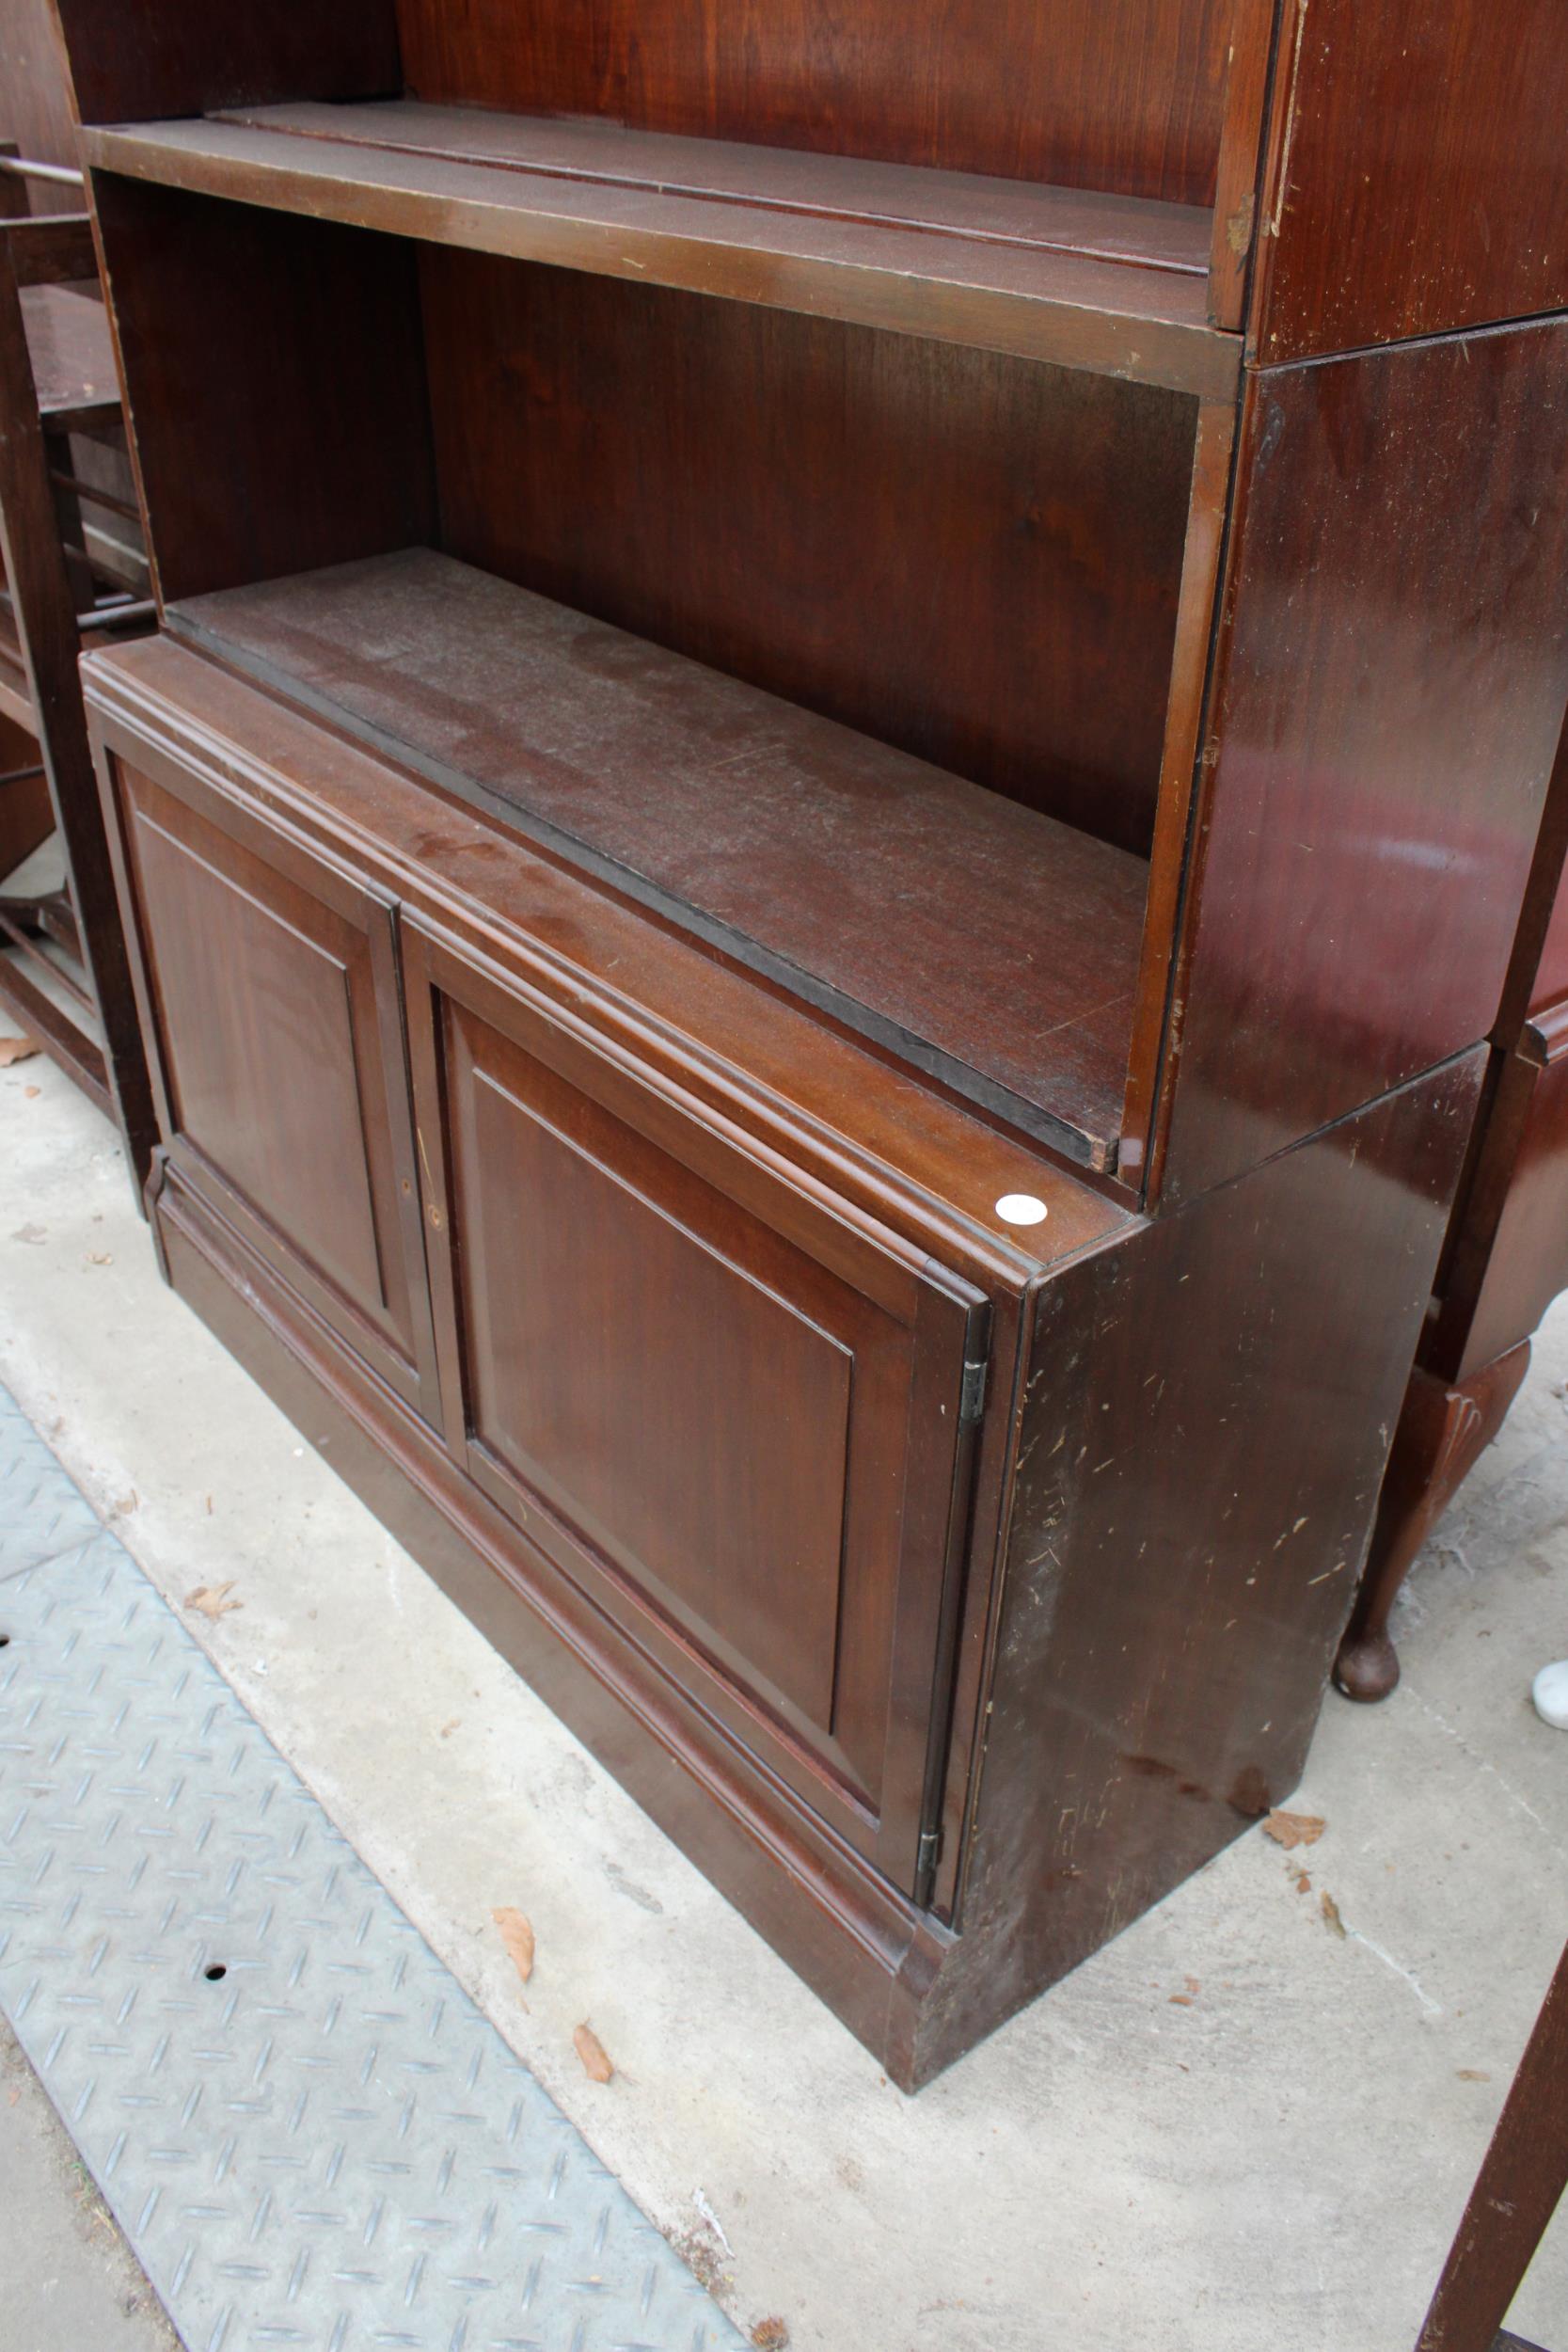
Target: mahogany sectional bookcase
852,710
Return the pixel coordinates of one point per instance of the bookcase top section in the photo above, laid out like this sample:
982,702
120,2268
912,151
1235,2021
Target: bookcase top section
990,946
1110,283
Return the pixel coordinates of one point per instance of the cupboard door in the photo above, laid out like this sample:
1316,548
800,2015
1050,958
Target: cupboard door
727,1406
271,991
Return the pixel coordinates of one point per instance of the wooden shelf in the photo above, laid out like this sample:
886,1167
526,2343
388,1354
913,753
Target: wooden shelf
16,701
989,946
72,356
1083,279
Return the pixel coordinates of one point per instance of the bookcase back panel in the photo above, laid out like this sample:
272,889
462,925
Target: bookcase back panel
186,56
1119,95
973,557
277,382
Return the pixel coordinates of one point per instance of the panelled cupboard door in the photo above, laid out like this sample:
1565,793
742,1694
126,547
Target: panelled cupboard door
728,1407
270,979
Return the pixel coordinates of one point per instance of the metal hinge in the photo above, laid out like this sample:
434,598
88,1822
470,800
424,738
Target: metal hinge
972,1397
929,1852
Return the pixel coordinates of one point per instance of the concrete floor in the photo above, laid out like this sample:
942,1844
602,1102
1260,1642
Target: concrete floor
1275,2159
71,2283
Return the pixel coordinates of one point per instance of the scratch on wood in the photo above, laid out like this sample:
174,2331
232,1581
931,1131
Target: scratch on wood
1290,118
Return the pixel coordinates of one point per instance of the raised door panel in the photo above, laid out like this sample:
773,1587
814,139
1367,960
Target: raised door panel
270,978
730,1410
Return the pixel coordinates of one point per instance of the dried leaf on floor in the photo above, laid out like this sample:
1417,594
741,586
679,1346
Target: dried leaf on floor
212,1600
1473,2074
447,1728
1332,1921
1181,2000
1304,1884
16,1048
770,2335
518,1935
31,1094
98,1257
591,2050
1294,1829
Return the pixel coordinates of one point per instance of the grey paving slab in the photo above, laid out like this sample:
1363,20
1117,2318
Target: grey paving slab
41,1513
307,2132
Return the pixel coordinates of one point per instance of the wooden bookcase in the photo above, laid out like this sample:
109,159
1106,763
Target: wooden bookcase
64,973
815,643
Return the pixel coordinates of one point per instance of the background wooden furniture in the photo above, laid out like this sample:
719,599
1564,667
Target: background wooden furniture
63,972
1516,2192
1504,1260
783,852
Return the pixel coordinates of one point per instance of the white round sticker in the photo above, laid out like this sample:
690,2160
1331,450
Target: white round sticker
1022,1208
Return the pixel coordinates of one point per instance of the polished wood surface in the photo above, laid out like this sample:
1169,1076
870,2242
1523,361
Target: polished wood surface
205,57
1151,324
620,1293
72,356
1199,1457
1444,1429
950,1586
266,977
1417,184
1085,221
862,1128
582,1215
618,448
985,85
327,456
1519,2186
1386,721
1519,1206
780,837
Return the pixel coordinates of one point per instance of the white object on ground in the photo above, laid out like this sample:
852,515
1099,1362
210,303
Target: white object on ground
1550,1692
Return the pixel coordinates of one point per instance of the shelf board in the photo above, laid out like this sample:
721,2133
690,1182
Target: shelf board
1083,279
987,945
16,700
72,356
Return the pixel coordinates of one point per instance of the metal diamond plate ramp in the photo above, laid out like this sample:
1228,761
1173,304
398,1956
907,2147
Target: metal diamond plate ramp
307,2132
41,1514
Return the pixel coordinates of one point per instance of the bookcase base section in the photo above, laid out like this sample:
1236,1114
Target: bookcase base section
947,1598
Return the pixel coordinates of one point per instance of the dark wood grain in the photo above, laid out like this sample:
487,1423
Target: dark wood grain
972,558
1522,2178
1386,723
564,1056
97,1035
36,109
269,985
1151,324
1516,1239
326,454
1419,182
1205,1421
618,1293
72,358
782,837
184,56
1125,94
1236,221
921,1164
50,249
957,204
1444,1429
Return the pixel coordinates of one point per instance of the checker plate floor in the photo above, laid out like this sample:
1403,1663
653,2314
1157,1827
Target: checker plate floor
307,2132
